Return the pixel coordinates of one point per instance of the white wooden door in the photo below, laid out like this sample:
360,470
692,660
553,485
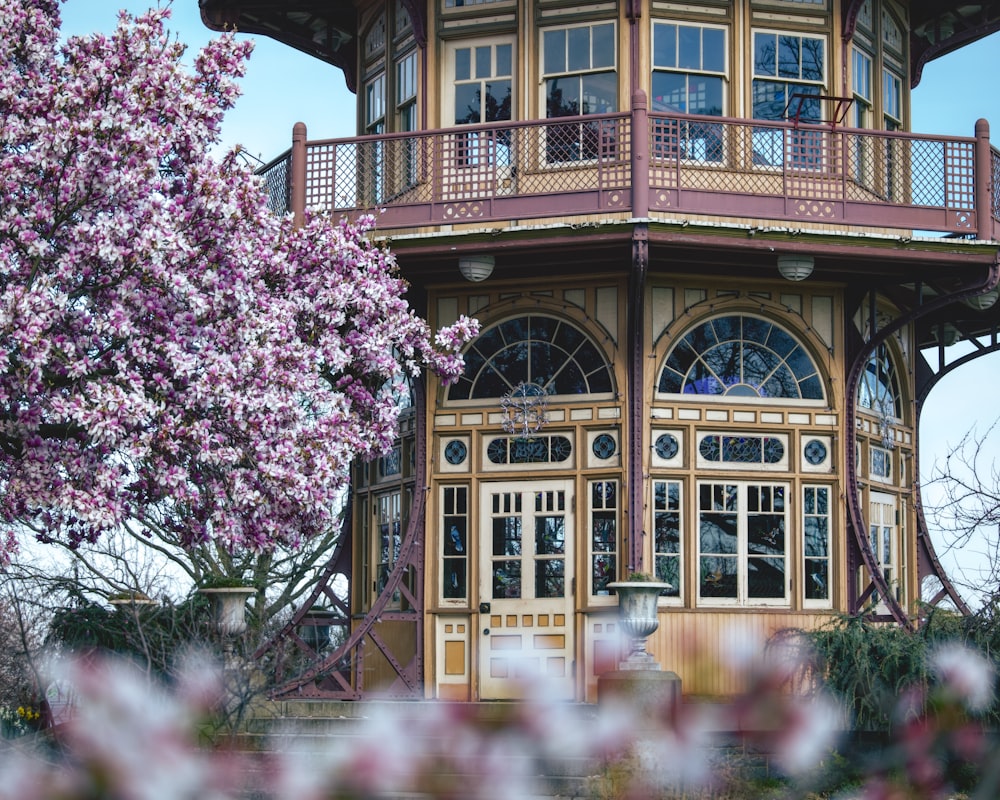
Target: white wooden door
526,588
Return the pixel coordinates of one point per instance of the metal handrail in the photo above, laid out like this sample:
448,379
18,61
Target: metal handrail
696,165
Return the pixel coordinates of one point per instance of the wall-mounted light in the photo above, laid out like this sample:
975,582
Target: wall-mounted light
795,267
946,334
983,301
476,268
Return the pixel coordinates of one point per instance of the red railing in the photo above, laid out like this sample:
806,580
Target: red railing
684,165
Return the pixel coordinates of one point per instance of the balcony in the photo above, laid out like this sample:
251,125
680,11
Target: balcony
649,165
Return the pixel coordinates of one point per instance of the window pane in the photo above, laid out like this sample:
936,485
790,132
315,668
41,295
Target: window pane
503,52
766,578
717,533
497,101
668,570
718,577
555,51
562,100
507,579
600,93
550,535
705,97
484,62
713,52
816,538
550,578
812,59
669,92
604,46
689,48
578,49
665,46
789,57
463,64
467,104
817,579
765,54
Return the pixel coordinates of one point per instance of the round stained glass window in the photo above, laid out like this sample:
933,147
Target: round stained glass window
604,446
455,452
815,452
666,445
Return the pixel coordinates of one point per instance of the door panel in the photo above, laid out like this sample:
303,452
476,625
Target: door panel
526,580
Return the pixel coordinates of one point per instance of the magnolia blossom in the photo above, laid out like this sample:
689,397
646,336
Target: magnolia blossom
964,674
169,350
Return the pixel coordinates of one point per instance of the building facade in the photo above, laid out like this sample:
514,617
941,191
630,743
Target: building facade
716,276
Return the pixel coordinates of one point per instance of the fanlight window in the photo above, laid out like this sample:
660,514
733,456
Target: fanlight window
549,352
741,356
879,388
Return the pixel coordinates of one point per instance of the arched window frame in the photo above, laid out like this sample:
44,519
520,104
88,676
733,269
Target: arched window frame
576,339
816,375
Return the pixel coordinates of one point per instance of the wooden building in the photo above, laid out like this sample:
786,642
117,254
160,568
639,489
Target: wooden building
716,276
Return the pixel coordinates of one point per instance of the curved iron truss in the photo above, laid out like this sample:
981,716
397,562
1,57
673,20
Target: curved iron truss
304,668
860,551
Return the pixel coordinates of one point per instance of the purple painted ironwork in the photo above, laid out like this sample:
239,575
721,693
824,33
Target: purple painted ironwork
692,165
340,674
856,518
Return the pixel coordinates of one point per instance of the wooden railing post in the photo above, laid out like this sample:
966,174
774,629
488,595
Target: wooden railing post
640,155
297,191
983,178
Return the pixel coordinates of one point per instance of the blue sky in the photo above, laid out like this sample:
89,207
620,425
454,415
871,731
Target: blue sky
283,86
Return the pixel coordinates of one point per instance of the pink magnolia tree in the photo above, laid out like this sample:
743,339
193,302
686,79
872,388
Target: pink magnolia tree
170,352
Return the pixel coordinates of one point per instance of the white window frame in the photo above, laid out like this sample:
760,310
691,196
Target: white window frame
686,151
451,551
597,504
544,78
676,596
742,556
811,510
803,162
884,538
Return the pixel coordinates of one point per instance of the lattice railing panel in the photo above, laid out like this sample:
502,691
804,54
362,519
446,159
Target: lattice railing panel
693,161
276,177
995,182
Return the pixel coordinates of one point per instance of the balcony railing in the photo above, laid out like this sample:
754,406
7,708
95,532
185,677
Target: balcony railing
679,166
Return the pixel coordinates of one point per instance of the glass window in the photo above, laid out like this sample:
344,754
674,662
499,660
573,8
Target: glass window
544,351
389,538
667,521
483,83
742,548
816,545
892,100
455,542
861,83
883,537
689,74
878,390
689,68
789,77
603,535
741,356
375,105
579,75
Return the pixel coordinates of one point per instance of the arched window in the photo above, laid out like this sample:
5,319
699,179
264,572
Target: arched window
546,351
741,356
878,390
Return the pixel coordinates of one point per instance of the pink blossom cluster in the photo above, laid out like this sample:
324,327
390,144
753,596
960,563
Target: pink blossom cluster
124,737
169,350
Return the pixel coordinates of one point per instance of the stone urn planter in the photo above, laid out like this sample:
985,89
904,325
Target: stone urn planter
229,604
637,616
